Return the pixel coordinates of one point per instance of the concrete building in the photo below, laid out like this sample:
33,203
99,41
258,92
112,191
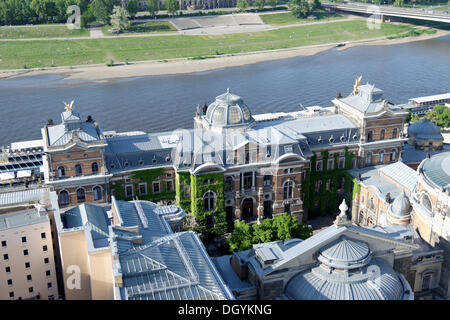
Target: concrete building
29,258
425,135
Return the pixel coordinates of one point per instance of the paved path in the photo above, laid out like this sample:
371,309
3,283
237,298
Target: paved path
96,32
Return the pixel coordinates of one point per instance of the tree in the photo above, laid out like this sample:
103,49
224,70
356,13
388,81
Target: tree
408,117
172,6
152,6
398,3
242,5
132,7
260,4
45,9
120,18
316,4
300,8
440,115
102,9
241,237
272,3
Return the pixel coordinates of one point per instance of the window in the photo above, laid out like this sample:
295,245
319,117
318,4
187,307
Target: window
394,133
5,256
341,182
30,289
156,187
169,186
381,156
97,193
78,170
341,163
426,281
382,134
29,278
27,265
393,155
426,202
51,297
43,236
267,180
288,190
330,164
142,189
369,136
94,167
287,208
49,285
4,244
186,190
129,191
46,260
24,239
328,185
25,252
47,273
248,180
319,165
9,281
61,172
228,183
63,198
209,199
318,185
8,269
369,158
81,197
44,248
11,294
303,175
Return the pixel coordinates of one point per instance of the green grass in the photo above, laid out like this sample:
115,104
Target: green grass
446,8
288,18
413,33
40,32
144,27
17,54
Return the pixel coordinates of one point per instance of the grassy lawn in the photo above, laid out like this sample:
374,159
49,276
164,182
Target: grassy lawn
445,8
18,54
40,32
144,27
287,18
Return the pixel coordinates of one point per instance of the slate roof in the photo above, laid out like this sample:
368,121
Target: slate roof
367,100
58,135
401,173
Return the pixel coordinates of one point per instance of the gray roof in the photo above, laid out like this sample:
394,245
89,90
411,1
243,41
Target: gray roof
412,155
367,100
23,218
59,135
437,169
425,129
401,174
24,196
345,253
401,205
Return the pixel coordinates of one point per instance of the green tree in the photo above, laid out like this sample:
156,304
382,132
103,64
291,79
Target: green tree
408,117
103,9
398,3
260,4
132,7
242,5
440,115
272,3
120,19
44,9
316,4
300,8
172,6
152,6
241,237
414,118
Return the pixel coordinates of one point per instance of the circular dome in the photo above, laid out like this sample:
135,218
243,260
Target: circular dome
228,110
424,128
437,169
345,254
401,206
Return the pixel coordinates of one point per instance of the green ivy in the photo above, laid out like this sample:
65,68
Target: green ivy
183,178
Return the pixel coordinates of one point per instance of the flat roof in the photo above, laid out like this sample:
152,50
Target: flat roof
442,96
27,144
22,218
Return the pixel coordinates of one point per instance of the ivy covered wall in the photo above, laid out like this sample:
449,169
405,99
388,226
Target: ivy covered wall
323,196
183,201
147,176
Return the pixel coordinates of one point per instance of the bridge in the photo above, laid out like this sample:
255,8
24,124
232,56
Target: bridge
390,11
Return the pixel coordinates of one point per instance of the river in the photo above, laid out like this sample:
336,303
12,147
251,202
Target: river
160,103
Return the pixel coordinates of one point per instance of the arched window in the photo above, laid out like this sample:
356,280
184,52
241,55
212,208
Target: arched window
97,193
81,197
394,133
381,156
382,134
61,172
369,158
288,190
228,183
426,202
209,199
63,198
371,204
94,167
78,171
369,136
426,281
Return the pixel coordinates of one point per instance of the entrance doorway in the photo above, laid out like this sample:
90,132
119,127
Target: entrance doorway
247,209
268,209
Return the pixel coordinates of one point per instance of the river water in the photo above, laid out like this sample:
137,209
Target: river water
160,103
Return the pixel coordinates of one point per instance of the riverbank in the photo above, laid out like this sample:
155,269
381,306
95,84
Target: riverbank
102,73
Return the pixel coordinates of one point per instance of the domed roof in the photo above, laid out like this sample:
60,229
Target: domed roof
425,129
437,169
377,281
345,254
401,205
228,110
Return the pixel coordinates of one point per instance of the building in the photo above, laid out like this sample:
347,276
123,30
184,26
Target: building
425,135
132,250
422,105
342,262
29,256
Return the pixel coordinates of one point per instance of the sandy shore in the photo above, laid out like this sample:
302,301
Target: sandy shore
101,73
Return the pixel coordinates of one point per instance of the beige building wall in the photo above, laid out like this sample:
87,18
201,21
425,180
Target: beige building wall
43,276
101,275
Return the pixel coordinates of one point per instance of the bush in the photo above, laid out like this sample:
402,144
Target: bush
110,63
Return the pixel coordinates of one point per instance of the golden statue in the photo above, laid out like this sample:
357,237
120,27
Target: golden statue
68,106
356,85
